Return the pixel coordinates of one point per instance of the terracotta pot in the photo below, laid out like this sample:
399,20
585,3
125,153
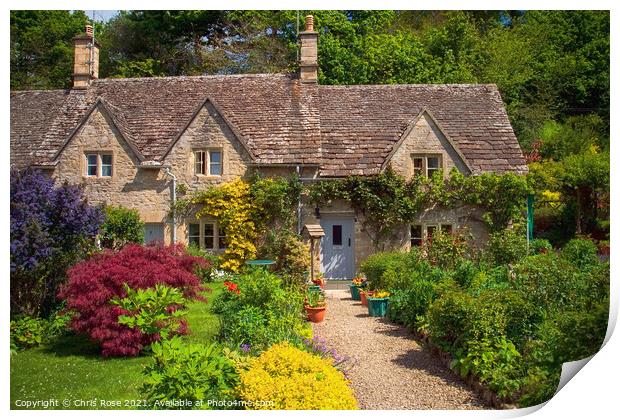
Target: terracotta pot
315,315
364,298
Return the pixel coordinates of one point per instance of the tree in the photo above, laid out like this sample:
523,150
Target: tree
51,228
42,47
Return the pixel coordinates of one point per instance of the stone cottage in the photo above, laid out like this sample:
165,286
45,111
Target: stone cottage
130,141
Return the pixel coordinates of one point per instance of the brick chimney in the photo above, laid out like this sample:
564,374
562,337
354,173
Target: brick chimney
308,63
85,59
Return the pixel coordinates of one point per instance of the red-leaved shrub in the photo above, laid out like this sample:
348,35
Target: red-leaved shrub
93,283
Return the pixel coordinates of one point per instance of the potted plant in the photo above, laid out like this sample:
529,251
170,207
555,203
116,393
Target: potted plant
378,303
364,295
354,287
319,281
315,306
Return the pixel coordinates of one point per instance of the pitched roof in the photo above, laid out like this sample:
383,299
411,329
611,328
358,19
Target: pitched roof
361,124
344,129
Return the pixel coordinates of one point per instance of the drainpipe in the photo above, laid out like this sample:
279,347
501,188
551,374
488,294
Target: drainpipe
174,201
298,205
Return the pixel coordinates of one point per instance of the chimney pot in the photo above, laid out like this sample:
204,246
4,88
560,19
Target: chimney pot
89,30
309,23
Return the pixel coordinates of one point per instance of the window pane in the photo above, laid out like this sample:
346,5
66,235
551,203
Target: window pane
446,229
199,163
215,164
430,230
416,235
209,232
106,165
91,161
337,235
221,239
418,165
194,234
433,162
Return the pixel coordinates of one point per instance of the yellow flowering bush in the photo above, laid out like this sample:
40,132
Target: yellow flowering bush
231,203
295,380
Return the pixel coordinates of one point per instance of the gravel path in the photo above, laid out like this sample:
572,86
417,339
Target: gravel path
391,370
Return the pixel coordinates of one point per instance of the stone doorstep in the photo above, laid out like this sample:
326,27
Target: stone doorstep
337,285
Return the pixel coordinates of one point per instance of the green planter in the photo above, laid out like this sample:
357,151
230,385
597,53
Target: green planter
315,287
377,306
355,292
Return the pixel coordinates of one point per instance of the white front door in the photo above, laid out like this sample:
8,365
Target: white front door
337,247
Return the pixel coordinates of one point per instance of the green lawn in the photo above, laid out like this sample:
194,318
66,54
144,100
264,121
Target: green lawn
72,369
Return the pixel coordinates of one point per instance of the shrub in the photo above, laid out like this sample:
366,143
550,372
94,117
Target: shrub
494,361
396,270
121,226
291,255
581,252
550,282
95,282
260,311
295,380
51,228
407,305
446,250
506,247
540,246
209,272
188,373
155,312
28,332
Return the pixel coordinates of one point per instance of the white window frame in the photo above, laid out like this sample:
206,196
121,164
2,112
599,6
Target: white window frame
99,164
205,162
425,166
202,237
424,228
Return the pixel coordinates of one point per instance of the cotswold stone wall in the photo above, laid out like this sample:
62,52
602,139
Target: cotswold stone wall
149,190
426,138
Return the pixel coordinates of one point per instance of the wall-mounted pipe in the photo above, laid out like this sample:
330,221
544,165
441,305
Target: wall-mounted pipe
174,202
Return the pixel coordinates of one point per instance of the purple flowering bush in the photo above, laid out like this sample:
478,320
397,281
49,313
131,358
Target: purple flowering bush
52,227
319,346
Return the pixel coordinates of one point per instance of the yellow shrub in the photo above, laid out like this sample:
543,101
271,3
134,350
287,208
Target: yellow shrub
295,380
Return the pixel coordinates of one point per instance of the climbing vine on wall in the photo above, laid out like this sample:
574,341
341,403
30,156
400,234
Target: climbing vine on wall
245,210
388,200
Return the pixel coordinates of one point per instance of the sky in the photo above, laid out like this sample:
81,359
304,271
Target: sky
101,15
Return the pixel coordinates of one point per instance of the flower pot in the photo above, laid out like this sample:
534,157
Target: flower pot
314,287
355,292
315,315
377,306
363,296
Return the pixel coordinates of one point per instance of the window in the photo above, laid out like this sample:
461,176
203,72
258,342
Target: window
206,235
337,235
208,162
426,165
416,235
99,165
420,233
